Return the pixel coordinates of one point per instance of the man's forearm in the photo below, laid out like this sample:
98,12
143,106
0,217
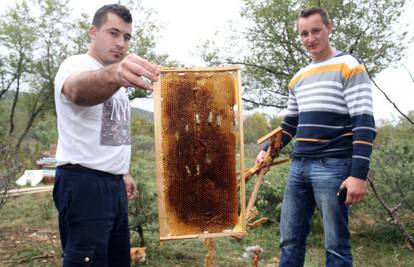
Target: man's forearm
91,87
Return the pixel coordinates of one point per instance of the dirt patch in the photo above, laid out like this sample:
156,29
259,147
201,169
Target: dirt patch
28,244
359,219
27,234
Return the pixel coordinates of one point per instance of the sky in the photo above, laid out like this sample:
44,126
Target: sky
185,23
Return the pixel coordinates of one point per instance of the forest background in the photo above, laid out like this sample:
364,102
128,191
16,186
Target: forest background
36,35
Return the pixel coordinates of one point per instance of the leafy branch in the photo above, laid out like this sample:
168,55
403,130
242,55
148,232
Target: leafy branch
386,96
393,213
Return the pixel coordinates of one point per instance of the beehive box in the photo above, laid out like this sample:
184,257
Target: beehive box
199,143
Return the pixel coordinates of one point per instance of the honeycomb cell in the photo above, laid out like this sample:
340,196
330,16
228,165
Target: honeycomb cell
199,151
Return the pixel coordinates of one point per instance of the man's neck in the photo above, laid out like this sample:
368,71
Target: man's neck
327,54
95,56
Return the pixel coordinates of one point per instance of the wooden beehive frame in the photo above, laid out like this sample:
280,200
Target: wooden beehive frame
240,228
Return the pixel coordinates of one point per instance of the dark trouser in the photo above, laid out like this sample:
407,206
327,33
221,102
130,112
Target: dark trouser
93,217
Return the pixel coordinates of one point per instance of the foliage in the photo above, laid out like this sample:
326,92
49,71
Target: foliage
9,167
275,121
51,49
31,59
143,211
273,53
142,126
44,132
143,133
17,37
269,202
255,126
393,169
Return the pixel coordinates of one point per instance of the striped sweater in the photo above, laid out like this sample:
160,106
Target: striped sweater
330,112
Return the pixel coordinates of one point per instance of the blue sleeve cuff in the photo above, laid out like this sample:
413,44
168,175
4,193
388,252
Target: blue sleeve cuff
359,170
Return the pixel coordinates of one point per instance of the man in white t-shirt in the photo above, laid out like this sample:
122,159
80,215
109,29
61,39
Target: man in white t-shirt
93,154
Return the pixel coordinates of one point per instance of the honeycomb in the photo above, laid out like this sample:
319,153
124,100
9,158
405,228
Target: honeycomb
199,151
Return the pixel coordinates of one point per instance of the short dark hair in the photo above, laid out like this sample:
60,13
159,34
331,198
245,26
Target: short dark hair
101,14
307,12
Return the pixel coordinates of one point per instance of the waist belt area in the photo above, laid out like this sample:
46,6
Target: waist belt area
86,169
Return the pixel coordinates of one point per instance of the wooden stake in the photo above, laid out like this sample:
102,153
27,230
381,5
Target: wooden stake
28,191
209,260
253,194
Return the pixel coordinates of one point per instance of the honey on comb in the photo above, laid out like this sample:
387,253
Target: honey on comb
199,146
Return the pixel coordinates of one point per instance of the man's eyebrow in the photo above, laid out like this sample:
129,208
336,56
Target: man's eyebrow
114,29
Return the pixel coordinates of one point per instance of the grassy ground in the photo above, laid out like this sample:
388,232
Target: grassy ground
29,237
28,232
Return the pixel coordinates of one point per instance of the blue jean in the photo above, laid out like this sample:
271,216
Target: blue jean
93,217
314,182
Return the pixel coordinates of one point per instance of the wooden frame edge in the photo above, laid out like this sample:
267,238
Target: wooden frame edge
201,236
158,157
206,69
242,191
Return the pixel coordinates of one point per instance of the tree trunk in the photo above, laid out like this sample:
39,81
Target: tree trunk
140,231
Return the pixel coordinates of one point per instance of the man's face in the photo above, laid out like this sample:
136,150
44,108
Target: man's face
315,36
110,42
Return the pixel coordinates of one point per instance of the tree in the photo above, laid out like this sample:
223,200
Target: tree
17,36
9,167
31,58
274,54
51,49
79,34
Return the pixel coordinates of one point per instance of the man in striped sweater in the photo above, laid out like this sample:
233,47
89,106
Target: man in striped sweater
330,113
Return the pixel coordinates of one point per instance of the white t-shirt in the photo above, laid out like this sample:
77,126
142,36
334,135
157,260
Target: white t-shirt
97,137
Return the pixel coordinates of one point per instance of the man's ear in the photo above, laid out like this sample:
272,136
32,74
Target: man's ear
330,28
92,32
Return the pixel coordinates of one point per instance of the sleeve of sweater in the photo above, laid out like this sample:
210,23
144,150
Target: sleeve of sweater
290,121
358,96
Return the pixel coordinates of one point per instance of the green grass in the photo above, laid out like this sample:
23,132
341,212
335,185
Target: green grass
28,232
